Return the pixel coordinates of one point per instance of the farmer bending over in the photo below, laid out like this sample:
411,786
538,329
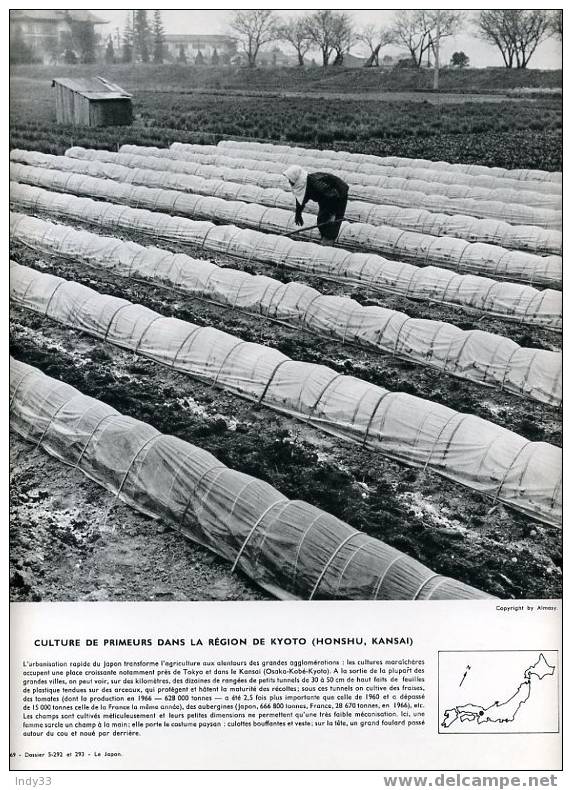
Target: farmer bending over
325,189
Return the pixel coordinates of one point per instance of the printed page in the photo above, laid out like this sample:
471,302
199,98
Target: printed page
330,685
285,389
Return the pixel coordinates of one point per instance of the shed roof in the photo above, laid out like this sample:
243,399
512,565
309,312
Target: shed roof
93,88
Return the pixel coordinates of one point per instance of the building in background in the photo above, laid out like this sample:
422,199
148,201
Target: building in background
274,57
45,36
186,47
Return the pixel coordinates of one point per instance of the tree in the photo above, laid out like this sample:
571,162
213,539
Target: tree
127,42
343,32
199,59
255,28
53,50
109,51
83,38
555,23
417,30
70,58
375,39
321,31
515,32
215,60
408,29
295,32
533,28
141,37
459,59
20,52
87,42
182,56
158,38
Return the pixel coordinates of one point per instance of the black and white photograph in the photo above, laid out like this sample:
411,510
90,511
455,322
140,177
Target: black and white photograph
286,305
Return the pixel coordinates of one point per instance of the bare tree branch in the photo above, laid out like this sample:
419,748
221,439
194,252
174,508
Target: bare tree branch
343,36
417,30
556,23
295,32
515,32
534,27
495,26
324,33
375,38
408,29
254,29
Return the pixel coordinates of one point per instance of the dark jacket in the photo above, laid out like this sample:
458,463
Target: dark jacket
331,195
325,189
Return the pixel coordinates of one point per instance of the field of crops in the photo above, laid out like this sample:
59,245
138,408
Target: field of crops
491,130
392,404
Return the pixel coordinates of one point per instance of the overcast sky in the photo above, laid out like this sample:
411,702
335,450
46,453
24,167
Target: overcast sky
547,56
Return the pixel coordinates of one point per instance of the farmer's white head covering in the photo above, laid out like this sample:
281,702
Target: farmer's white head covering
297,177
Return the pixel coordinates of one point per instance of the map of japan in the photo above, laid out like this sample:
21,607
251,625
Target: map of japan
475,681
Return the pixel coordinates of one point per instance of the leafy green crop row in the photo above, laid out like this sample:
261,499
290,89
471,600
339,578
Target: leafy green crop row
307,120
512,134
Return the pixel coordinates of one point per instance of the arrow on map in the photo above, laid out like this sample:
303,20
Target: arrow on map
465,675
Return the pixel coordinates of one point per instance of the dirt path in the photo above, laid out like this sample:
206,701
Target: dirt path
429,96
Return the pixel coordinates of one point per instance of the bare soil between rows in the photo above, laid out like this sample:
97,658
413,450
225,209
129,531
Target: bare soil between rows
453,530
464,318
71,541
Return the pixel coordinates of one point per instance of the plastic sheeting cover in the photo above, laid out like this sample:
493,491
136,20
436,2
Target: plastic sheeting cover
478,454
512,301
445,251
451,253
462,226
449,183
375,190
470,354
511,205
288,547
539,178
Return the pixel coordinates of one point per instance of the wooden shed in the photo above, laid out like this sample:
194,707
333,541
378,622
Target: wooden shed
92,102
